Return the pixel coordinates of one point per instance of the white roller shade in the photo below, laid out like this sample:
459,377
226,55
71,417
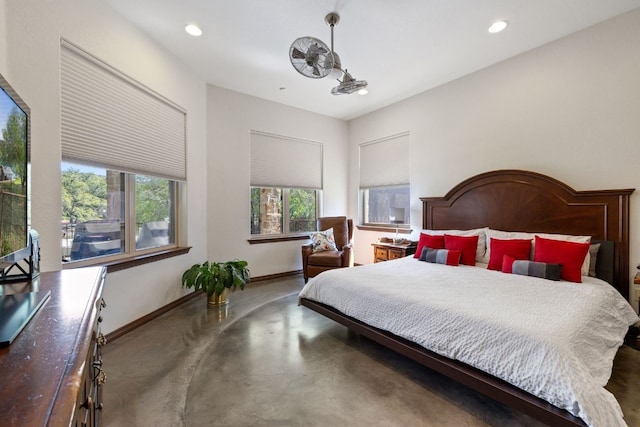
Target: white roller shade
280,161
112,121
385,162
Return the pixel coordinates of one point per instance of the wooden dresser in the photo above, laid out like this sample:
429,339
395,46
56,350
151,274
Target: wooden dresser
52,373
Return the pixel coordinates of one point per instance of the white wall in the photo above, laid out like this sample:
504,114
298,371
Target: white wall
231,117
34,29
569,109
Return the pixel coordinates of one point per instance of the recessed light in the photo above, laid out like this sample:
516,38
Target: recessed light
193,29
498,26
363,91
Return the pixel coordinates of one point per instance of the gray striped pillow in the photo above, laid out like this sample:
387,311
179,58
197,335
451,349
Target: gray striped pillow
537,269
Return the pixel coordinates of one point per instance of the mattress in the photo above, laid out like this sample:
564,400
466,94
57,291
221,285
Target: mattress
555,340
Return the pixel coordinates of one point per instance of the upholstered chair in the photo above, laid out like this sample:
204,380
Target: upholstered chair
314,263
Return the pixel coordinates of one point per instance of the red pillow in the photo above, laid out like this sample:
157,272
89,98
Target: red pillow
507,264
516,248
429,241
465,244
570,254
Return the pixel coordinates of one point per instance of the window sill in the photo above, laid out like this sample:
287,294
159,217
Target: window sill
384,229
130,262
259,240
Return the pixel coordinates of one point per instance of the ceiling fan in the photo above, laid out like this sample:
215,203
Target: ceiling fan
312,58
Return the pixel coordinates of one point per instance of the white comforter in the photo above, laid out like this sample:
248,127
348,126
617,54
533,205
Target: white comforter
556,340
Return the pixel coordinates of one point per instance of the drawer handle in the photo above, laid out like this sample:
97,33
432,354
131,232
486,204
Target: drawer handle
102,340
87,403
101,378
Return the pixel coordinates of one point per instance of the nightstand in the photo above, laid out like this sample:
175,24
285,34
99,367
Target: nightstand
389,251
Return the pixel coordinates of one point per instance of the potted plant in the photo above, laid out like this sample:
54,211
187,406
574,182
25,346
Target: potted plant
216,278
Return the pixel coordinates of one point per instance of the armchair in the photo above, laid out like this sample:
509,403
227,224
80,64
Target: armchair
315,263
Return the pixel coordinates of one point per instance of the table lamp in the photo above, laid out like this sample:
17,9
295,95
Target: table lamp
396,216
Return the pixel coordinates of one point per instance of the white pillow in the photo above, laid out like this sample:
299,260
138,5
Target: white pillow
480,232
507,235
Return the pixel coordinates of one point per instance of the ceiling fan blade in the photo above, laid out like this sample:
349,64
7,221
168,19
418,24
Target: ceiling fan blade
311,57
297,54
315,49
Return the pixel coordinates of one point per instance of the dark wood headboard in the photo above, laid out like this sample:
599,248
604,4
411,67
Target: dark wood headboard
516,200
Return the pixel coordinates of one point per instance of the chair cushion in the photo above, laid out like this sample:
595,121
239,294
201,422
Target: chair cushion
326,258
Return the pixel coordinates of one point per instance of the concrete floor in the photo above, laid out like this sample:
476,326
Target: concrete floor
264,361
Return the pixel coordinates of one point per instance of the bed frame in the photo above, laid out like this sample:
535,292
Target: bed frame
514,200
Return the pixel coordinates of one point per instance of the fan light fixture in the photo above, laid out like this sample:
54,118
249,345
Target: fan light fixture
312,58
349,85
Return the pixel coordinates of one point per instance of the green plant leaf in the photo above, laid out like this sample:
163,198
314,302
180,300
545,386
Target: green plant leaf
214,277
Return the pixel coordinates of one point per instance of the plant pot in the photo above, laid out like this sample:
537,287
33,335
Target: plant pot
220,300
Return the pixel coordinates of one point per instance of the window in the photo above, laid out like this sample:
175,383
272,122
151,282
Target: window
123,152
286,185
97,219
381,203
384,181
283,211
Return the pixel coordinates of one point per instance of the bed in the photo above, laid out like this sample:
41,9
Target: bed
509,200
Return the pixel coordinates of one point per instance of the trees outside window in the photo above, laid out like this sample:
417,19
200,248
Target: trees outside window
97,220
283,211
13,182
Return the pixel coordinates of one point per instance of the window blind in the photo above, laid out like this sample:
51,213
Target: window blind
112,121
385,162
280,161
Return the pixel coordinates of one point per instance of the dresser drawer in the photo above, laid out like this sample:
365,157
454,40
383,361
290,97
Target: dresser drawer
388,251
395,253
381,254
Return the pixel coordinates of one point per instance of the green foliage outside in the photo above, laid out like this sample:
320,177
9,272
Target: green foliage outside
13,151
152,199
302,209
13,200
84,196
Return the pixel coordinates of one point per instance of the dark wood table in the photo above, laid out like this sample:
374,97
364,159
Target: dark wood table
44,370
383,251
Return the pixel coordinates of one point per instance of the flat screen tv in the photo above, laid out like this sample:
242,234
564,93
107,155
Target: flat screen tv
14,176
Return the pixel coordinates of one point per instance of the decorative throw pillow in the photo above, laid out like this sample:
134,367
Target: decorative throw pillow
481,248
536,269
429,241
516,248
466,245
323,241
440,256
570,254
499,234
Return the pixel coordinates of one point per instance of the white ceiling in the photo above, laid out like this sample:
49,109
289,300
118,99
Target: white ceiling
401,47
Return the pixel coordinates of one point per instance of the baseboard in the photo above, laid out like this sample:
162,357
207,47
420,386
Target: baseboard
276,276
111,336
